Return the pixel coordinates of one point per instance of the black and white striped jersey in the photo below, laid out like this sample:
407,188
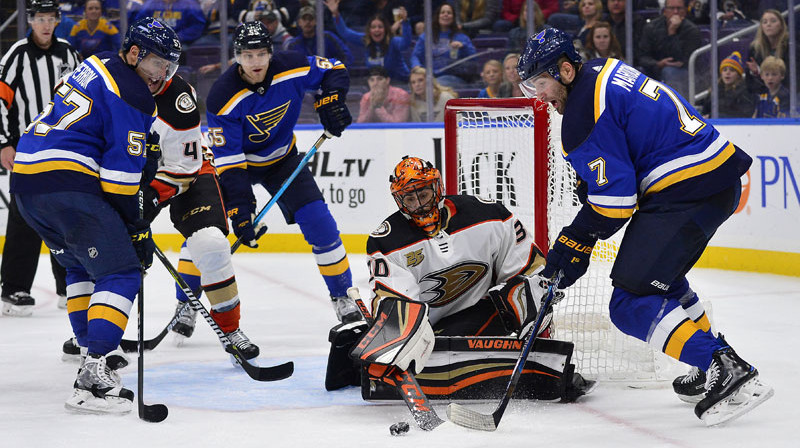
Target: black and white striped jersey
28,76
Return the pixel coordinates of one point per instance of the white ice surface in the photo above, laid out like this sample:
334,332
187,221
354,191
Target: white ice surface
286,311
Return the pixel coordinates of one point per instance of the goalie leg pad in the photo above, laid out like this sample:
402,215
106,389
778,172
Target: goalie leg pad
401,336
342,371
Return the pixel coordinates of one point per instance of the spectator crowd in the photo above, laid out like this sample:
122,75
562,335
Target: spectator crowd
475,45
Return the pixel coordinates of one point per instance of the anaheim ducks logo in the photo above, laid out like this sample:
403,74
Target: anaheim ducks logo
265,121
454,281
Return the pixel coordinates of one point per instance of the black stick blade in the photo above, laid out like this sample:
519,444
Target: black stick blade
153,413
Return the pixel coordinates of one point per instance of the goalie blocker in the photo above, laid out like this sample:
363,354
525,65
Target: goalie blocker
452,367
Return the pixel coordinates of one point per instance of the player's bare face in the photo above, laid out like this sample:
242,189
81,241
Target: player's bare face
547,89
419,201
254,64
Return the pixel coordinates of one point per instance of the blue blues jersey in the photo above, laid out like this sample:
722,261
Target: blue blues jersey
252,125
632,138
91,137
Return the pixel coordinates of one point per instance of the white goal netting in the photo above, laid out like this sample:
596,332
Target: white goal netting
499,156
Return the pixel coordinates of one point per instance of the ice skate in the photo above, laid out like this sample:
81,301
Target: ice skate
243,344
346,310
691,387
732,389
98,389
184,328
72,352
18,304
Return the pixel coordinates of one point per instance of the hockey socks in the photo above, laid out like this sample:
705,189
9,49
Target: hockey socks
320,231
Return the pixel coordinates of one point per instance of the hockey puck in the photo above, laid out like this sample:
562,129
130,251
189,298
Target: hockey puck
398,429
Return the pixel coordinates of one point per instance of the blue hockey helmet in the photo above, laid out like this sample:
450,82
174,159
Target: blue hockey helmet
251,36
543,51
153,36
35,6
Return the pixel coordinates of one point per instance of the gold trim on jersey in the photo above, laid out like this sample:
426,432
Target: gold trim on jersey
687,173
290,74
600,88
613,212
47,166
101,69
234,101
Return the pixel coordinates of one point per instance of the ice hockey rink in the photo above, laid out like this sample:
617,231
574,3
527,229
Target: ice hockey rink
285,310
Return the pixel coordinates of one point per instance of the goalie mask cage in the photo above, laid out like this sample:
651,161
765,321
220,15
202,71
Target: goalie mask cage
509,150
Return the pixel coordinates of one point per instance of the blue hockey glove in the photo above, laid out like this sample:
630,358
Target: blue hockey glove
243,228
144,246
570,253
333,112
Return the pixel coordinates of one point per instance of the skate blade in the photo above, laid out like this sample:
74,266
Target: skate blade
750,395
83,402
693,399
66,357
16,311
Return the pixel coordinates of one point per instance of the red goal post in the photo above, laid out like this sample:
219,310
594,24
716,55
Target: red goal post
454,114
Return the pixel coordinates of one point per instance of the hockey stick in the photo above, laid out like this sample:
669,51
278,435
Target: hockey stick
424,415
131,346
464,416
326,135
153,413
273,373
128,345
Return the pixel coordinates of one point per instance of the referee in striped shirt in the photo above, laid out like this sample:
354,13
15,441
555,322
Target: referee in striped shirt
29,71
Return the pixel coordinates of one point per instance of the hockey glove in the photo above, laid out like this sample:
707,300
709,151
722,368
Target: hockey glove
518,302
242,221
153,158
570,253
144,246
333,112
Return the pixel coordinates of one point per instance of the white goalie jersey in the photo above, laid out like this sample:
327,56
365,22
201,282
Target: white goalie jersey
481,244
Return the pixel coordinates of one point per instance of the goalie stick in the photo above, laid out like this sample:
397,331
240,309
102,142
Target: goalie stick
273,373
464,416
130,346
424,415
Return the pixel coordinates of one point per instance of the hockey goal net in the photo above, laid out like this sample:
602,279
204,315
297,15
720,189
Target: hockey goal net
509,150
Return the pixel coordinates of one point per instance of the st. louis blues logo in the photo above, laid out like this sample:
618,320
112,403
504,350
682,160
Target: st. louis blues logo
540,37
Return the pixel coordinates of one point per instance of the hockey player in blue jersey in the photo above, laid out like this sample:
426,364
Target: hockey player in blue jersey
76,179
645,157
252,109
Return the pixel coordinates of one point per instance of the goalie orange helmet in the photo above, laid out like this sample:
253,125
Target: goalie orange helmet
417,189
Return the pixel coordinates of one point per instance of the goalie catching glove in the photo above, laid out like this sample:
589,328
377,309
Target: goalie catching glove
333,112
401,336
518,302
